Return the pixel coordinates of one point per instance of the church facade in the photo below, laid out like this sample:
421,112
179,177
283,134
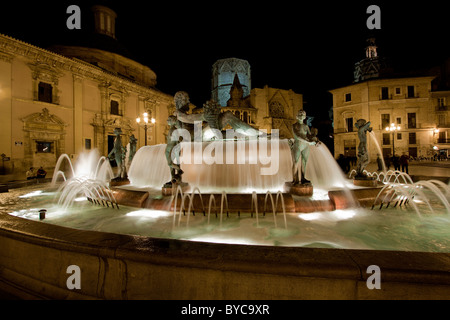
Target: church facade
263,108
70,99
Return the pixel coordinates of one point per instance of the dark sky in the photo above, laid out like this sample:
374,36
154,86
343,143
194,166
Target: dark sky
310,47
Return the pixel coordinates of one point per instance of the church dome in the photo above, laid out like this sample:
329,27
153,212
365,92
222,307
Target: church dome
97,44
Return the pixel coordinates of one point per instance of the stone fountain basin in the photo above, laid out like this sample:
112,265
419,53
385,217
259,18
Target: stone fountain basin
338,200
34,257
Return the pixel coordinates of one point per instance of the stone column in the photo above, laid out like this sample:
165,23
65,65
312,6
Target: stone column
6,104
77,114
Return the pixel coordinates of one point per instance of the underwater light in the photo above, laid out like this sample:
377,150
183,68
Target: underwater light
32,194
149,213
310,216
344,214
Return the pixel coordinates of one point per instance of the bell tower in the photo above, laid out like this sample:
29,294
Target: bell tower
105,20
223,76
373,66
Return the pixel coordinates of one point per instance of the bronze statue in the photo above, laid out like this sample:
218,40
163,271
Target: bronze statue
118,152
363,156
302,140
133,142
211,115
171,154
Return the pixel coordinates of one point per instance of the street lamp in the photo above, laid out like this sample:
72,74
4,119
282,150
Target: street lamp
145,121
393,128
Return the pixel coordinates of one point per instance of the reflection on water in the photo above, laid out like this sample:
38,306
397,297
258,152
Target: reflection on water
391,229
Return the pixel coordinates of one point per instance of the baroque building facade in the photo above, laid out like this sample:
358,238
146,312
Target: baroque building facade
417,104
69,99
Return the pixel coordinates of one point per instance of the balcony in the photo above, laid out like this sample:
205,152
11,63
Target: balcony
340,131
442,108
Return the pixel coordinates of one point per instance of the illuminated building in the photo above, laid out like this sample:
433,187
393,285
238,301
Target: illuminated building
70,98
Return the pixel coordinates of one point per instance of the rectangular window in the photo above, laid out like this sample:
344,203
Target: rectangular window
441,120
412,123
412,138
114,108
348,97
386,139
399,136
399,121
45,92
441,102
398,91
350,148
43,147
349,123
87,144
385,93
385,121
411,92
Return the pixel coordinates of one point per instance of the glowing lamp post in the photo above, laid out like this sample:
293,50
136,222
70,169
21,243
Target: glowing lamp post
145,120
393,128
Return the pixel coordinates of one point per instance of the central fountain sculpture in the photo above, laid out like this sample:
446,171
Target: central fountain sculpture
203,155
214,120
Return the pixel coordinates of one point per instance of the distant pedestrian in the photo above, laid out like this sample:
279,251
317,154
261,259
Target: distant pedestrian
31,174
404,161
387,162
41,173
396,162
380,163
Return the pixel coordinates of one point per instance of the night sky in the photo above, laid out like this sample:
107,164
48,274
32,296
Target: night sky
307,47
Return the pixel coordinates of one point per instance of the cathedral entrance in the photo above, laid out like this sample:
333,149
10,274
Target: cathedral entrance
43,139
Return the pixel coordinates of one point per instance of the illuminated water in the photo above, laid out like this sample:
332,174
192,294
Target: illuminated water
393,229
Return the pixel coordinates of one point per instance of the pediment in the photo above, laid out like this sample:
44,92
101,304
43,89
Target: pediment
43,117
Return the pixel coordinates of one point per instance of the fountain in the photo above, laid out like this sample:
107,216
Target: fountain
231,228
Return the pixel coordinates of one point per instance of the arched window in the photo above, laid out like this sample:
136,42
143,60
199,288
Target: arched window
246,117
45,92
276,110
114,108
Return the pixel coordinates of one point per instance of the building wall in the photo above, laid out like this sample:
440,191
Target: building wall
277,109
79,108
368,101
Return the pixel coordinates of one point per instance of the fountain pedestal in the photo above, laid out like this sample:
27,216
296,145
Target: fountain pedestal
302,190
118,182
365,182
168,190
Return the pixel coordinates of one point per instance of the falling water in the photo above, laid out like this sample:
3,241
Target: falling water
231,166
58,172
323,170
149,167
375,141
90,177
